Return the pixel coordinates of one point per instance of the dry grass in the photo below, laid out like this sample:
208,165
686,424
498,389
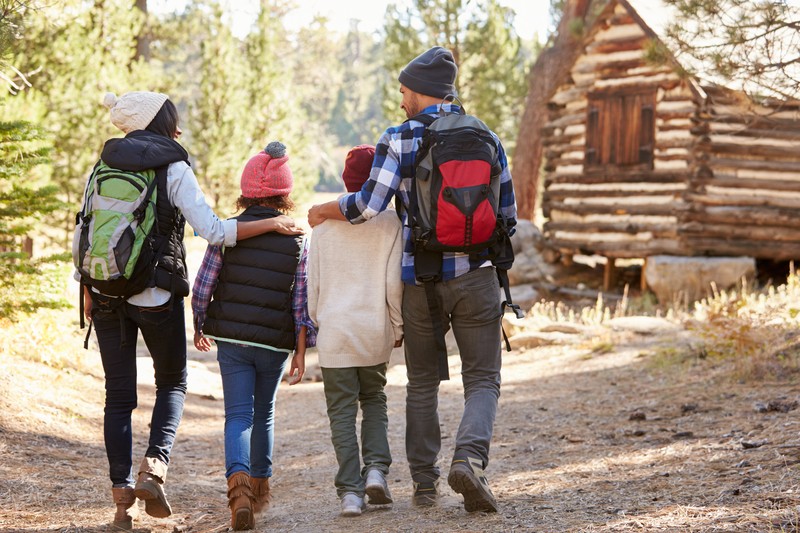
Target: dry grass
610,430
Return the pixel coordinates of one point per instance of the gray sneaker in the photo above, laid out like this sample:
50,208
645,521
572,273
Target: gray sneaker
376,488
467,478
352,504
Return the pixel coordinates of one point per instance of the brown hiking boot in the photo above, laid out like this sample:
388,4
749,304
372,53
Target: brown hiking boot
467,478
127,511
149,487
240,500
260,487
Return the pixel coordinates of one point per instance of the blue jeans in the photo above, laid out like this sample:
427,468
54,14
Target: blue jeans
164,333
471,306
250,379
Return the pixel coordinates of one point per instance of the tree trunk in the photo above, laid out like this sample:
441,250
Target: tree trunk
143,39
548,73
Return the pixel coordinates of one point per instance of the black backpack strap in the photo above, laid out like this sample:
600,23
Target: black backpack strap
81,307
118,307
502,277
435,311
425,118
138,213
428,266
166,239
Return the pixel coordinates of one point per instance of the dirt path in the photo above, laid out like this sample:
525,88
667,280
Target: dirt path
584,441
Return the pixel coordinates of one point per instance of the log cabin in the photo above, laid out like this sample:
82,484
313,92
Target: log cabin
642,158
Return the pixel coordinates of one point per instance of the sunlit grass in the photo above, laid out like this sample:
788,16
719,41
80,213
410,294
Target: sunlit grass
757,329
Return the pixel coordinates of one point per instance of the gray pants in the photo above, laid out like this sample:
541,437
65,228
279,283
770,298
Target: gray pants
471,305
345,388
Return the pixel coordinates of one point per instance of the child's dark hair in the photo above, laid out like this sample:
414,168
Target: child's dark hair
166,120
284,204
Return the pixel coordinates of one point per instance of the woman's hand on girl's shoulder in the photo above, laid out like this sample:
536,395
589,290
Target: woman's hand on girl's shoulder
286,225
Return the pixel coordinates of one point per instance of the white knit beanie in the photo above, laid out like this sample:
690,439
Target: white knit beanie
135,110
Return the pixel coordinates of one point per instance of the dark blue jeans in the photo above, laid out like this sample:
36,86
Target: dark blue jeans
164,333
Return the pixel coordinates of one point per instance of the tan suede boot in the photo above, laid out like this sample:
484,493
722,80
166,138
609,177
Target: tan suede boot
240,500
127,511
260,486
149,487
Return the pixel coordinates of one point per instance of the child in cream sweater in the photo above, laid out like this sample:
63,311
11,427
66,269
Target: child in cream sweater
354,298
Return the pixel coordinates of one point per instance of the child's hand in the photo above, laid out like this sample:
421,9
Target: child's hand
201,343
297,369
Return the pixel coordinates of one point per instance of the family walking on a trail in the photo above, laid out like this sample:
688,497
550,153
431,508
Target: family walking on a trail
417,246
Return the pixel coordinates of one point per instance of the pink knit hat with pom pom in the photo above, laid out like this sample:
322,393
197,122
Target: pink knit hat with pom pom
267,173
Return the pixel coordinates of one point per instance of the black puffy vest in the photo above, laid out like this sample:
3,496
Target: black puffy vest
170,229
253,299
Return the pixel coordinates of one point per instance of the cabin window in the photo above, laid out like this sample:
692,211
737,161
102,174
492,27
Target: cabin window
620,130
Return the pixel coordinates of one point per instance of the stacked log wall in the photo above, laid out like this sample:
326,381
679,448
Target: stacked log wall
745,197
620,213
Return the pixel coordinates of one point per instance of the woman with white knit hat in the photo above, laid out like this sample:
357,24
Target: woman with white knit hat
150,122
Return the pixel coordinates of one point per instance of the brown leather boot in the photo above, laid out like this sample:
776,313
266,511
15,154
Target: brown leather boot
240,500
152,474
260,486
127,511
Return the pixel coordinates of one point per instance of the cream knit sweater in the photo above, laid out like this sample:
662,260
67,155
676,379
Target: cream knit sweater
354,290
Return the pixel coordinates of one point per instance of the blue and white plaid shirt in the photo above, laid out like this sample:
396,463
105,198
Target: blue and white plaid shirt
392,173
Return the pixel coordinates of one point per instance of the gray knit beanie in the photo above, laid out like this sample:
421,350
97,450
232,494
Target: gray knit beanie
432,73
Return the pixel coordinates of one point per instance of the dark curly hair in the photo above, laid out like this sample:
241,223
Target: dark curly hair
284,204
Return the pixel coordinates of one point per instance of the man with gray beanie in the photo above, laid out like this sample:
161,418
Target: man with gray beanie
468,294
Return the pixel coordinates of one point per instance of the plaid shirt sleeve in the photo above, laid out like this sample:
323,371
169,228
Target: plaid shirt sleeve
205,283
384,181
508,202
300,299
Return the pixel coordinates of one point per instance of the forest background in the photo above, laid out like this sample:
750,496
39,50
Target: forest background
318,90
693,428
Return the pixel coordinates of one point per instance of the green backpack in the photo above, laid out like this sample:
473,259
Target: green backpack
113,247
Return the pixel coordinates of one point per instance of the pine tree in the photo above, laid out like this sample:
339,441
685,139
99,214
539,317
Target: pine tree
75,53
23,201
357,116
751,45
278,108
218,113
492,62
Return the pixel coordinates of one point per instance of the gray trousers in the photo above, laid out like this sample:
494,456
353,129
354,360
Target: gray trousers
345,389
471,305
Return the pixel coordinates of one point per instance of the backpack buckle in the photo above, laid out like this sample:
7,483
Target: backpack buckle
519,313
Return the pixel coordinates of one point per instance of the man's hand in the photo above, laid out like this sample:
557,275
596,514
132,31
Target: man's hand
398,343
322,212
201,343
285,224
316,216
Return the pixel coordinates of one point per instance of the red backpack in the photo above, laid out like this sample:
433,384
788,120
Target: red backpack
454,207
